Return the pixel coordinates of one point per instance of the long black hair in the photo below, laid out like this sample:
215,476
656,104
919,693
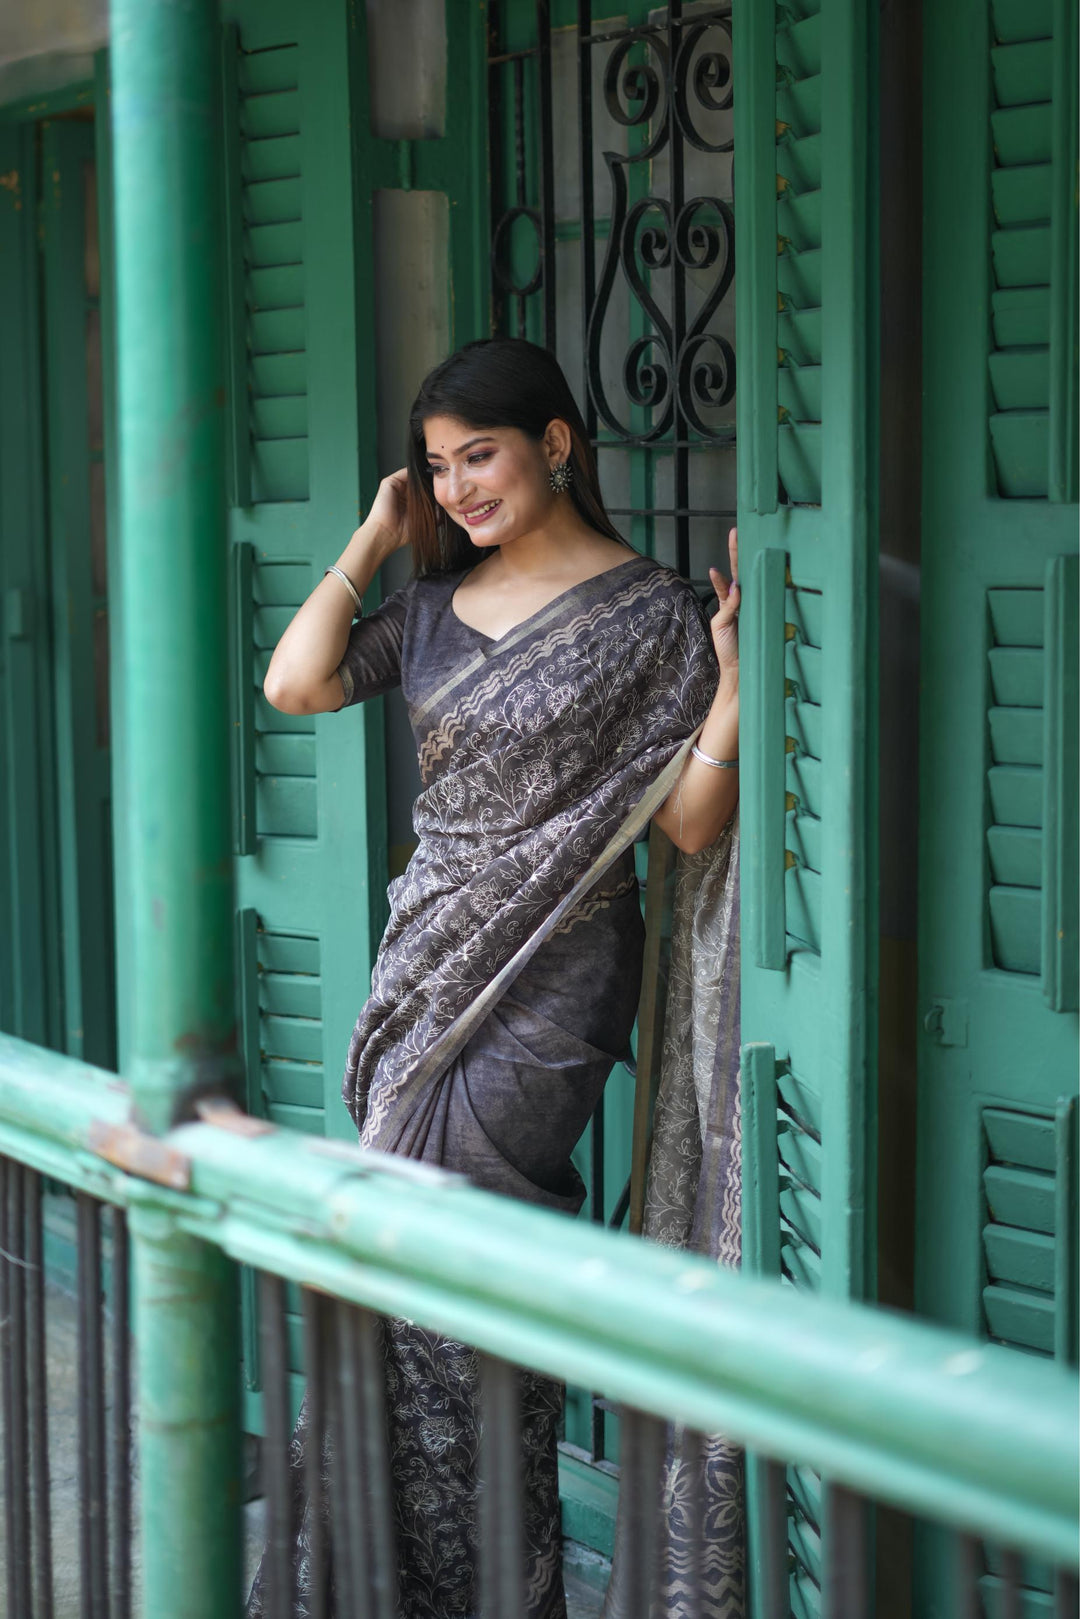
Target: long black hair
494,382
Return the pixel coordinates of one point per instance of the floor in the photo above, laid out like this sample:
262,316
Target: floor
583,1602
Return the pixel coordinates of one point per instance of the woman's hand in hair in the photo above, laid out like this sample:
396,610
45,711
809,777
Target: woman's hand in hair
725,622
386,519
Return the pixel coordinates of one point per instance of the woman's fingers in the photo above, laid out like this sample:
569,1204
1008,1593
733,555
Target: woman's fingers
728,595
733,553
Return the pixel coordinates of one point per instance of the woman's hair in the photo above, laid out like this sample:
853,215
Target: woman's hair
495,382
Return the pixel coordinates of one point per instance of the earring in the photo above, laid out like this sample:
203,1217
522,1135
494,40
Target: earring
561,475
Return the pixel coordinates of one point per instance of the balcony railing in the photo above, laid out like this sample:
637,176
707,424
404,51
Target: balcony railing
867,1405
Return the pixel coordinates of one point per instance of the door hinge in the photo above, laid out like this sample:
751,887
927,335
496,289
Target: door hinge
947,1022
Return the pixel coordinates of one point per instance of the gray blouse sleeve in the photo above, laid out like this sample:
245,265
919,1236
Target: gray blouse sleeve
372,661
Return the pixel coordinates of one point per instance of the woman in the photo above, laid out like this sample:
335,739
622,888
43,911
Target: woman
555,682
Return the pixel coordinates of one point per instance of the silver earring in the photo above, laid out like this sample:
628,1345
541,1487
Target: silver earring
561,475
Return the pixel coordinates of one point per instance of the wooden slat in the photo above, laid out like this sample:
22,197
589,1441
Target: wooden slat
274,244
803,902
286,806
1021,195
798,450
1020,1197
1020,1317
1020,378
265,70
1022,1257
285,754
278,374
1014,20
295,995
1022,72
261,116
1021,445
798,47
1016,795
1015,928
294,1083
1016,736
1017,617
1025,1139
283,417
1022,134
297,1039
1017,676
1015,856
1021,315
279,470
272,202
280,286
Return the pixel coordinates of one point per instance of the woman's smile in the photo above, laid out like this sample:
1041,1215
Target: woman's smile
475,515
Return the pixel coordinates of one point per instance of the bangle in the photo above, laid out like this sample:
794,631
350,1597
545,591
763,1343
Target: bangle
717,764
349,586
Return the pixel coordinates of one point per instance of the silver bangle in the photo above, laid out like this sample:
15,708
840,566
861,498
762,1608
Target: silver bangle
717,764
349,586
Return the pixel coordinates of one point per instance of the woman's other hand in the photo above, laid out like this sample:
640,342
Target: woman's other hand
725,621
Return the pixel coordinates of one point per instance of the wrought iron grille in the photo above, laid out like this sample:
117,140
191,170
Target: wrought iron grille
39,1520
613,244
349,1561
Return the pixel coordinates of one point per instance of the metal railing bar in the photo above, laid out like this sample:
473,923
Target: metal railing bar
642,1452
7,1394
967,1566
844,1573
348,1505
380,1553
315,1360
693,1521
906,1412
1010,1585
120,1434
766,1484
93,1516
1066,1594
501,1571
19,1548
37,1401
891,1406
274,1361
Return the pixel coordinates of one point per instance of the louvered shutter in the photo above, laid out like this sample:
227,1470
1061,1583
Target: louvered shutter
996,1211
309,833
309,803
998,897
806,220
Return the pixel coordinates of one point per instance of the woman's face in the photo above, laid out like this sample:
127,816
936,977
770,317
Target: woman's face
493,482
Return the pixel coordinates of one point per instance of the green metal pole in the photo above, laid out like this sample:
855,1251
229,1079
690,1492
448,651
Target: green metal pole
165,112
166,134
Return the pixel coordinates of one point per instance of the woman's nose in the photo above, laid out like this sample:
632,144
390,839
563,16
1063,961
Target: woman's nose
457,484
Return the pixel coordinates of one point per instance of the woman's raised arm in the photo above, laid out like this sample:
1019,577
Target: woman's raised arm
704,798
302,677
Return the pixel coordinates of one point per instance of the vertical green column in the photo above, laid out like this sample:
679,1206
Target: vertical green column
165,111
166,134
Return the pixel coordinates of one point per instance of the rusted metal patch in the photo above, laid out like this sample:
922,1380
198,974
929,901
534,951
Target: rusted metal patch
139,1153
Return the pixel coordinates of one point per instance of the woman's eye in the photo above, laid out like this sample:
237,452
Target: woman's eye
436,472
480,457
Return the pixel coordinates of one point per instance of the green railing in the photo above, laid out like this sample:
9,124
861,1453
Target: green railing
957,1432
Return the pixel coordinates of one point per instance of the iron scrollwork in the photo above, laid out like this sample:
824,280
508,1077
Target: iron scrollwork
660,386
675,370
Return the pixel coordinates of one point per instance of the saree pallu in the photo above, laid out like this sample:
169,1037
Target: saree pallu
507,980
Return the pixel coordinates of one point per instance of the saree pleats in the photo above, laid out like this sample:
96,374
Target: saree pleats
693,1200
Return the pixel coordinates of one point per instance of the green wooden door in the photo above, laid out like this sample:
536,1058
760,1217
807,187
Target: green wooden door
806,212
75,415
31,1004
996,1229
301,171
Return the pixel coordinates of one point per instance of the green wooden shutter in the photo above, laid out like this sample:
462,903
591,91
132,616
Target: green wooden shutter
996,1213
806,221
998,900
309,809
309,803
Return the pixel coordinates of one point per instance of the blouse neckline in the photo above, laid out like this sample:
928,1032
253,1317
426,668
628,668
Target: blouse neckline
496,640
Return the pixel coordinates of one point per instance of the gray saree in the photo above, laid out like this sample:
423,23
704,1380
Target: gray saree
507,980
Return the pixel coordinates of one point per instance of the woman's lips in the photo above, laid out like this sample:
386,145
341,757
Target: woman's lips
480,514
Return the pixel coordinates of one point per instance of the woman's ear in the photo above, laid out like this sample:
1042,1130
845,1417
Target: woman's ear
558,442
